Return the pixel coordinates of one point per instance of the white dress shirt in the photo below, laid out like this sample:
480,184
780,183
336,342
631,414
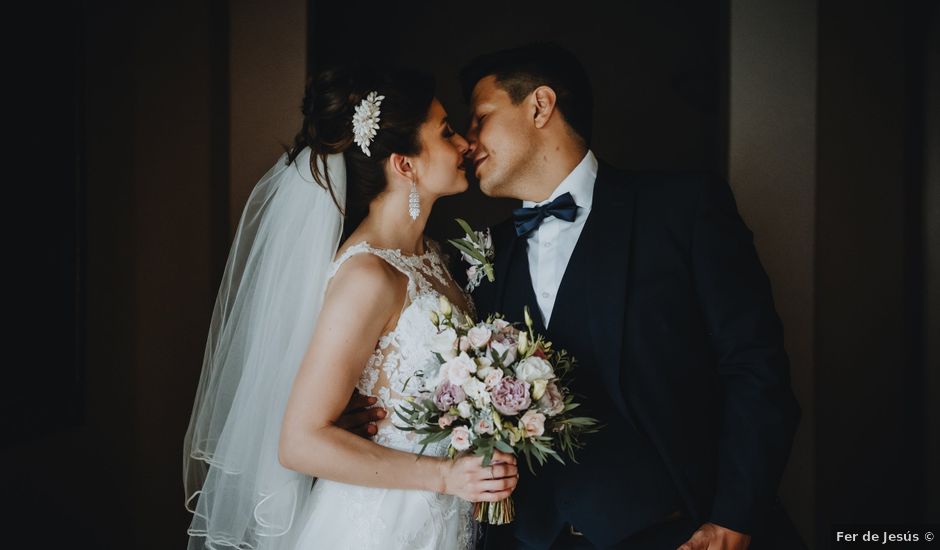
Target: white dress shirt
550,246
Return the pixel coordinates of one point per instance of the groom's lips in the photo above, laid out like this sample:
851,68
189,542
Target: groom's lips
477,162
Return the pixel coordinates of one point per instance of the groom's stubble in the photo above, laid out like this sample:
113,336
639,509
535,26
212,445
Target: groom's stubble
513,180
508,141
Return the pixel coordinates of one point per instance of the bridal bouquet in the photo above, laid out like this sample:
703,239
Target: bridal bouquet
494,386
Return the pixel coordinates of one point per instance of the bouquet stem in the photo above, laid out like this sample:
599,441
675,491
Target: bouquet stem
495,513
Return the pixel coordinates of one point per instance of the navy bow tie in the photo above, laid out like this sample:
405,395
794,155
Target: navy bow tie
528,220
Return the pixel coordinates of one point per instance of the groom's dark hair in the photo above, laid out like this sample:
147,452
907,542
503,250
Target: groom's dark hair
521,70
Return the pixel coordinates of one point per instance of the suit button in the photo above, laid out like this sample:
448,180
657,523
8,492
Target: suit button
545,295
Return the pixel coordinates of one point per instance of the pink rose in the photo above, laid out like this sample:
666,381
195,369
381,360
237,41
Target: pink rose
511,396
446,420
534,423
552,401
484,426
448,395
479,336
460,438
492,378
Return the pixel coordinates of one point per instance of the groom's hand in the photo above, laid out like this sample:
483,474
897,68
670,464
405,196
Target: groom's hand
711,536
358,418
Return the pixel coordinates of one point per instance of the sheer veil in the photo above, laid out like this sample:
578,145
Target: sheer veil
266,310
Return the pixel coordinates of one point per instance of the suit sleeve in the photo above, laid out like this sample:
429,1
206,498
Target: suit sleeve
759,412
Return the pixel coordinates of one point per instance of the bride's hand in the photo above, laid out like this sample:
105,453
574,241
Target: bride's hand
467,478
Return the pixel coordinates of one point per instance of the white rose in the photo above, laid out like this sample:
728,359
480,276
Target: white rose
484,362
534,368
464,409
479,336
500,324
444,342
459,369
533,423
463,343
476,391
460,438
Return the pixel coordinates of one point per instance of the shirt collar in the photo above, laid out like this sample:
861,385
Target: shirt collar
580,183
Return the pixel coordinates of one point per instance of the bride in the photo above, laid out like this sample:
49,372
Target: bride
304,317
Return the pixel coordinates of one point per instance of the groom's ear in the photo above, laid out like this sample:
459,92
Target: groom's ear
544,100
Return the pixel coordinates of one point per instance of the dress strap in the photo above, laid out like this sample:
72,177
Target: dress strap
390,257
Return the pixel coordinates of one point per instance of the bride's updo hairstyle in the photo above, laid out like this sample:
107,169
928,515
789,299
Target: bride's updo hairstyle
329,103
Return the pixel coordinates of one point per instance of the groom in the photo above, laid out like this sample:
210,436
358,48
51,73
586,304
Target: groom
652,282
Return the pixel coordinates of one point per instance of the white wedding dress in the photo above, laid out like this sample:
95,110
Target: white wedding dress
342,516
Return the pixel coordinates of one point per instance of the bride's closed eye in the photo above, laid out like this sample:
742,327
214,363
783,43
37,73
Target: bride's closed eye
448,132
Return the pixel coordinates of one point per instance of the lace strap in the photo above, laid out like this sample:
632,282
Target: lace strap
388,256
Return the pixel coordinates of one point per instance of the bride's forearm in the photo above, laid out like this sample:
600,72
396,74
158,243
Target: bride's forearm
333,453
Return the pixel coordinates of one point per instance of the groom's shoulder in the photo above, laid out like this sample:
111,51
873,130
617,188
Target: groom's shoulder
669,187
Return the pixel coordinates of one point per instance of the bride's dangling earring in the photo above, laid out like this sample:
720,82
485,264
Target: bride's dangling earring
414,202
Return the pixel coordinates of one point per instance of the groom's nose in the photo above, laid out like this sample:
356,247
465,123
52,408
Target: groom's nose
471,145
471,135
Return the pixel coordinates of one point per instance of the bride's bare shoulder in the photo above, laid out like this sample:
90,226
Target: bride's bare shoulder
368,273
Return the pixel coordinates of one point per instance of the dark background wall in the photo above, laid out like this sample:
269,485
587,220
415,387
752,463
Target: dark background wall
116,105
872,391
658,69
139,128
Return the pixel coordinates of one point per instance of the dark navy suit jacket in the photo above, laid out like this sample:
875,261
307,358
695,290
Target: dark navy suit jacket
684,330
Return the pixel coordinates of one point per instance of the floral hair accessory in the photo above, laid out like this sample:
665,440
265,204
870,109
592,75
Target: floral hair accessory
365,121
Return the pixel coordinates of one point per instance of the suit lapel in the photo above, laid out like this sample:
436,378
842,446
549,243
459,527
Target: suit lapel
607,242
608,237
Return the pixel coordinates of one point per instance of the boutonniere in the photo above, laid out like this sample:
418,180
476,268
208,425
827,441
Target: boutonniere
477,250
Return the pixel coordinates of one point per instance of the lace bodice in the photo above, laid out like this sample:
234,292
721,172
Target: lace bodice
397,366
